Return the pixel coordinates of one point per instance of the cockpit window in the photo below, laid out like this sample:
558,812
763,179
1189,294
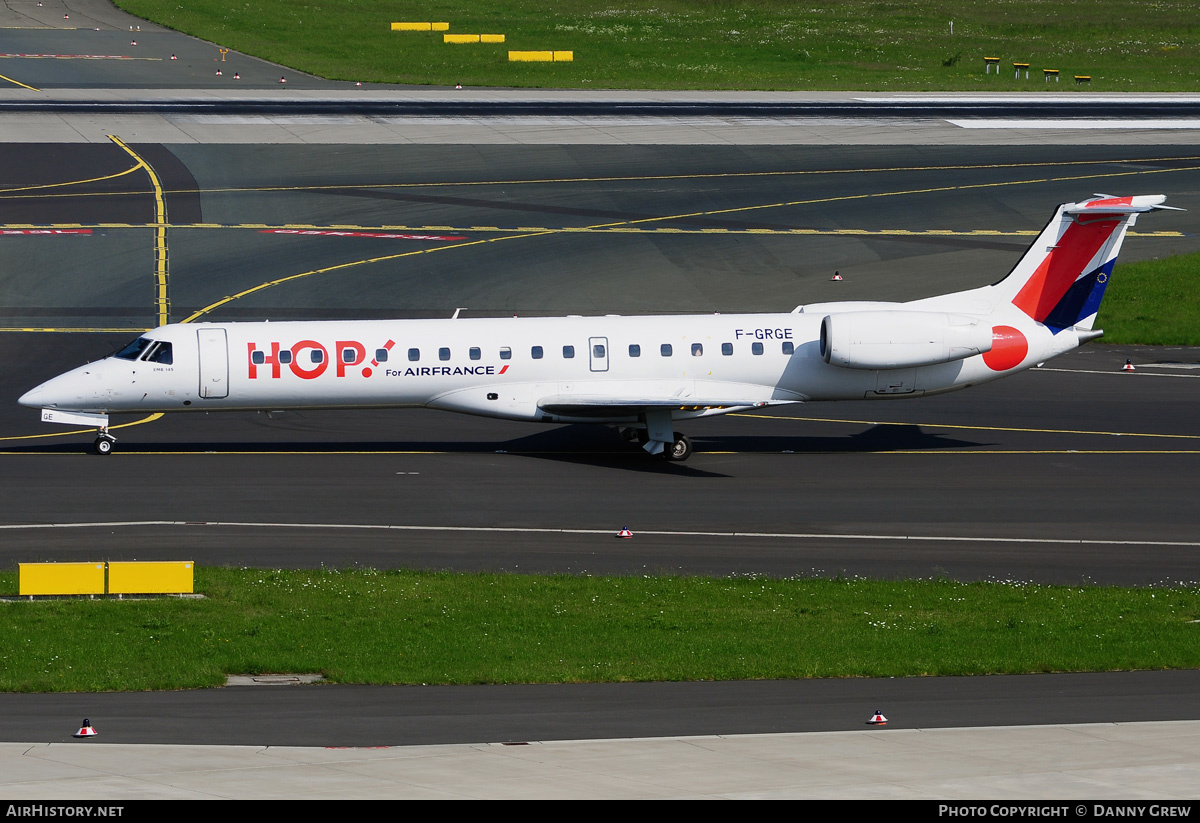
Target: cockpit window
134,349
161,353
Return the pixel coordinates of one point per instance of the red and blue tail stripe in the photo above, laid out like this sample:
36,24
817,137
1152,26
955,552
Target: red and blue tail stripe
1061,290
1062,277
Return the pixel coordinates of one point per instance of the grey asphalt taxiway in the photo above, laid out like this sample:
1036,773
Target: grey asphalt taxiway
1081,472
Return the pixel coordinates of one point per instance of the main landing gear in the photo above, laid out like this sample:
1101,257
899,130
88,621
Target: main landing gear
680,450
104,442
676,452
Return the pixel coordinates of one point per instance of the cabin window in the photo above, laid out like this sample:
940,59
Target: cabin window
568,352
727,349
443,353
535,352
665,349
258,357
475,353
635,350
285,357
598,350
381,355
348,355
414,354
505,353
756,348
697,349
134,349
789,347
317,355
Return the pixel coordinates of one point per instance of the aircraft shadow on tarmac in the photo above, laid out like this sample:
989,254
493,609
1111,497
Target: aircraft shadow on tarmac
580,444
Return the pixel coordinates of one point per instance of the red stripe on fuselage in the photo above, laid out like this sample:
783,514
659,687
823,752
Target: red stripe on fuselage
1063,265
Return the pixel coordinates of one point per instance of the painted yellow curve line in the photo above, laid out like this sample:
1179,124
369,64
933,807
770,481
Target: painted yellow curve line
113,176
148,419
874,195
340,266
18,83
162,299
344,227
639,178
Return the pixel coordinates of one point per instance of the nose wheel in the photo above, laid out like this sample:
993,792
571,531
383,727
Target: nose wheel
104,442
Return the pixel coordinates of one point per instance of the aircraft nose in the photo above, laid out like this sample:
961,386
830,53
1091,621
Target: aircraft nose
33,397
65,391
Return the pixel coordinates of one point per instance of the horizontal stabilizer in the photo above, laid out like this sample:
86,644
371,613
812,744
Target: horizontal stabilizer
1119,205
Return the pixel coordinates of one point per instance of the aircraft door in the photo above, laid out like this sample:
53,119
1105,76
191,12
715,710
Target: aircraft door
598,352
214,363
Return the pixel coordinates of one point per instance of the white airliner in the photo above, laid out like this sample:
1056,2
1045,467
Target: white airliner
640,373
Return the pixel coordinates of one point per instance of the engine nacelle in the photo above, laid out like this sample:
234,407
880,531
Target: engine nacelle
901,339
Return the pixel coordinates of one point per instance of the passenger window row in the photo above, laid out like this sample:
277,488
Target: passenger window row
350,355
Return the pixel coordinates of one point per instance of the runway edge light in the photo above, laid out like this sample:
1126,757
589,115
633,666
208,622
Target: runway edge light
86,729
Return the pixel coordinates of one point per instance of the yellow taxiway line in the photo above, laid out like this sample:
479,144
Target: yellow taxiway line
148,419
162,299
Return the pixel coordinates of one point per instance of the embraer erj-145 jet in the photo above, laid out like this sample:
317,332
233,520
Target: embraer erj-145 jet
643,373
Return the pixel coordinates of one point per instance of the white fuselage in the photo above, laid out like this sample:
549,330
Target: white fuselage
555,369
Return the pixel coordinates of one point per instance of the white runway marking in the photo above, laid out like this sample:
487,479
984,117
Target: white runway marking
1082,123
1123,372
1040,97
608,532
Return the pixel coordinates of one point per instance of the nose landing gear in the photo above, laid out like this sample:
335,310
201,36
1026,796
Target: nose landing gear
104,442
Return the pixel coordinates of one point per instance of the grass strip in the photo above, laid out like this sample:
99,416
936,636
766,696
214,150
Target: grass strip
925,45
367,626
1153,303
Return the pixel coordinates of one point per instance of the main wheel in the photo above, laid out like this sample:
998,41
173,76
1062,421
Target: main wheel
103,445
680,450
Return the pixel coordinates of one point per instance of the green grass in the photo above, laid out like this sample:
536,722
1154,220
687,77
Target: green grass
1155,303
1124,45
415,627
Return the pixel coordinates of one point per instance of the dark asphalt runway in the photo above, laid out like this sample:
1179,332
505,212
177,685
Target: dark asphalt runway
1079,476
421,715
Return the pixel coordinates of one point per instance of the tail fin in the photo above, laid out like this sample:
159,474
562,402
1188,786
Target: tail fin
1061,279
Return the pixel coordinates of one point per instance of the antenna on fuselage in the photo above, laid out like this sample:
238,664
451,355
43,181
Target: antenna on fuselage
456,311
